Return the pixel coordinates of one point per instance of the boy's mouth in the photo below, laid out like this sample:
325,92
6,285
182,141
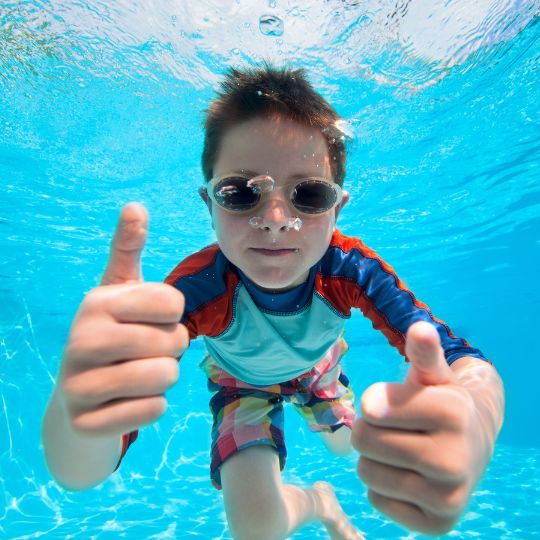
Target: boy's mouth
275,252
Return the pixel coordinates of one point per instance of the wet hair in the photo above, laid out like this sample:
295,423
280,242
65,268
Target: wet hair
267,92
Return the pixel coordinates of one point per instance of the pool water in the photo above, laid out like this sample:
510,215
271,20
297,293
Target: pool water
101,103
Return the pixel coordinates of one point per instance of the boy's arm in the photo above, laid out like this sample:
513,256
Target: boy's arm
76,461
426,443
355,276
121,356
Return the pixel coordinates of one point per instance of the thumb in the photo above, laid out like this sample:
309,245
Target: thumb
124,264
423,349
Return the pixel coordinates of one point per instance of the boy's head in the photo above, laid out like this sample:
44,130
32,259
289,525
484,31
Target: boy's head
269,92
271,123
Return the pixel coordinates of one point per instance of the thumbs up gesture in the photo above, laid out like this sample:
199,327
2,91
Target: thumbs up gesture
121,353
421,442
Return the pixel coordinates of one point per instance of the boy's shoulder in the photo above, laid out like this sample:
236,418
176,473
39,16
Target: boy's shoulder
345,255
208,282
204,264
347,244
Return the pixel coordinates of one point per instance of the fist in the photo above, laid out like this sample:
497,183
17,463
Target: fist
123,347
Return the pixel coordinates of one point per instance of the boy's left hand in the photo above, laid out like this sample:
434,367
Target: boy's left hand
421,441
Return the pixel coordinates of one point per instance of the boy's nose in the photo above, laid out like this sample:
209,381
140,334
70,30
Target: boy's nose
276,213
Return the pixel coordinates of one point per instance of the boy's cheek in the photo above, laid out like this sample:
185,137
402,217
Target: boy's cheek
227,224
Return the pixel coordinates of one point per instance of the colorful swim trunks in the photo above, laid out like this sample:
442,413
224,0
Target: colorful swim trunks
246,415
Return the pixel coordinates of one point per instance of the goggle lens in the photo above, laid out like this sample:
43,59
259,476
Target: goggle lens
233,193
314,197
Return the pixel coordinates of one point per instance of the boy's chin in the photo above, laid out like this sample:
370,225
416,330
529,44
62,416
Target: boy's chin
281,282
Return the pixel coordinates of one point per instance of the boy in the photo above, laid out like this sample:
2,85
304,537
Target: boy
269,300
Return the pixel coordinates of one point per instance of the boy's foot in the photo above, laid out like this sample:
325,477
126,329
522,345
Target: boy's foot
335,520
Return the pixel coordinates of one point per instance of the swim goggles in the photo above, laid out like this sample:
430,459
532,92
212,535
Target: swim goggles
239,193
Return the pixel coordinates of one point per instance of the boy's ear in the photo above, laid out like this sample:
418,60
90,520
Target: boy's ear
204,196
344,200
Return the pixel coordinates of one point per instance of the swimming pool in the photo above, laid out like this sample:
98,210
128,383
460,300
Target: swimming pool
100,104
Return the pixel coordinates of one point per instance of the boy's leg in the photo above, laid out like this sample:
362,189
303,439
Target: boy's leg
260,506
247,438
339,441
328,402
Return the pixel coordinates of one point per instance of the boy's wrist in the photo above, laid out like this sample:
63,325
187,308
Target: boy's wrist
486,390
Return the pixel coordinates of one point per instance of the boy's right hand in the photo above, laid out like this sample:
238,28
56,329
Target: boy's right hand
122,350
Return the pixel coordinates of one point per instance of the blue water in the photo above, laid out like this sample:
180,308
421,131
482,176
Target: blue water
101,103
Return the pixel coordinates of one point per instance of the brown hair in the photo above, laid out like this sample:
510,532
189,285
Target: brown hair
266,92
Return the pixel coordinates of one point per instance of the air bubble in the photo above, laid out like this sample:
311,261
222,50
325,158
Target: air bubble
261,183
270,25
256,222
294,223
345,128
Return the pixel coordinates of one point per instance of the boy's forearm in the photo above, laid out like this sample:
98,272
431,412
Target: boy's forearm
486,389
76,462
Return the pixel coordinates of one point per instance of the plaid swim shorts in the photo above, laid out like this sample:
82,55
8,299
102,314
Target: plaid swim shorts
246,415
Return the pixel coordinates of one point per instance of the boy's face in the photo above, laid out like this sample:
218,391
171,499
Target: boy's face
273,257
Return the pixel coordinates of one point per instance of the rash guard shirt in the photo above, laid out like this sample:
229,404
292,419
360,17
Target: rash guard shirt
266,338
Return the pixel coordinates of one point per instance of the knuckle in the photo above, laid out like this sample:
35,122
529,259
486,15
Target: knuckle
70,389
376,500
455,499
177,300
72,348
180,339
451,467
93,301
77,340
169,298
170,372
445,458
80,348
155,409
86,340
82,426
88,388
358,439
175,371
454,418
363,469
